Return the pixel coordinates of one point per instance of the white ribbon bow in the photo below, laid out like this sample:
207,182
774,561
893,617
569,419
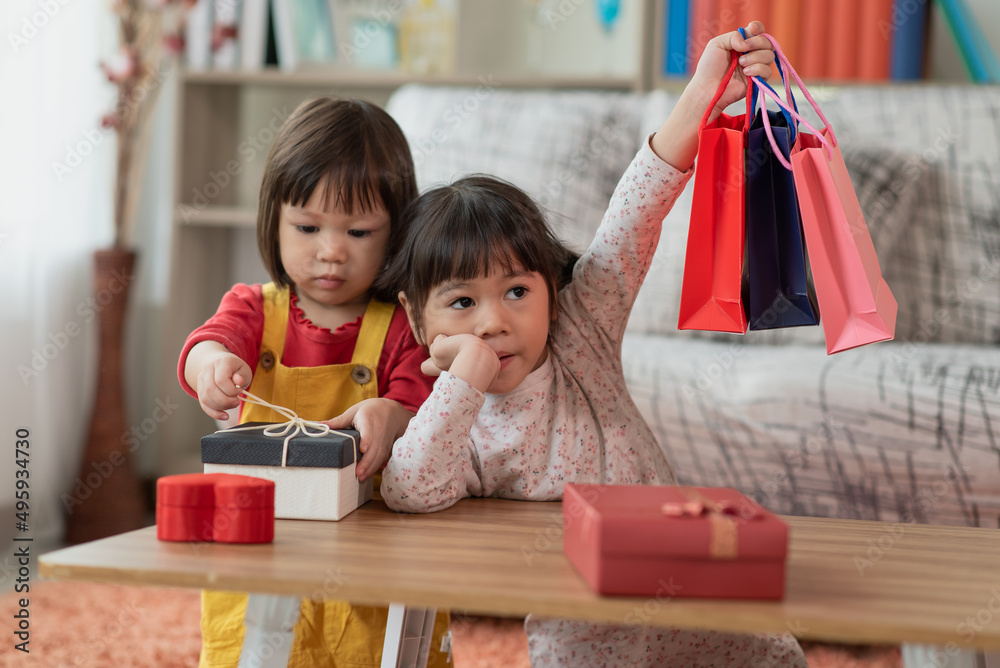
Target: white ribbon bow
290,429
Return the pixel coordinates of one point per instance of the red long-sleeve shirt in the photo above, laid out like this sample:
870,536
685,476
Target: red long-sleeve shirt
239,326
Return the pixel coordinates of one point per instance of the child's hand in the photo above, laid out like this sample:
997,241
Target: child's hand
465,356
380,422
220,380
714,63
676,142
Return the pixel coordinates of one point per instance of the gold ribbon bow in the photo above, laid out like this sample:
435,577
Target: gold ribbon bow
290,429
723,540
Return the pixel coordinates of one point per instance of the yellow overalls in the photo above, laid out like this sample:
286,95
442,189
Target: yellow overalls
328,634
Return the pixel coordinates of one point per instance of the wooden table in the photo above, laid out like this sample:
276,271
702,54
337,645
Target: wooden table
847,581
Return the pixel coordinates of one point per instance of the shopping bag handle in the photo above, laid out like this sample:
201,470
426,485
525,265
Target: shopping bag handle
733,62
798,80
788,95
770,133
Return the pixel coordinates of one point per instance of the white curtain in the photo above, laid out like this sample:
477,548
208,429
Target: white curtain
56,167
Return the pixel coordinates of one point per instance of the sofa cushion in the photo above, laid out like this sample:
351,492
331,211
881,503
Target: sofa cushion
566,149
890,432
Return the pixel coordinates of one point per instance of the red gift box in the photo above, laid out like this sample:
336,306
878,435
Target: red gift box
707,542
220,507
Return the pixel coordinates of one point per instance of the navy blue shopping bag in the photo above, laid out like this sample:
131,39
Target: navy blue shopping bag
777,292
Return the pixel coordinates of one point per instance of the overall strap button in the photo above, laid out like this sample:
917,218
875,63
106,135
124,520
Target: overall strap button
361,374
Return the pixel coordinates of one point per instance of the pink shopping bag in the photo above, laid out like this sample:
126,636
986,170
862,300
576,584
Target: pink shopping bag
855,304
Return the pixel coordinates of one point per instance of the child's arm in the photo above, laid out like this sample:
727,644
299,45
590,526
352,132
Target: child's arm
226,345
608,277
382,421
217,375
434,465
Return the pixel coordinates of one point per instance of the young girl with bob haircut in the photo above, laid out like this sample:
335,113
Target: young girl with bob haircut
530,393
319,339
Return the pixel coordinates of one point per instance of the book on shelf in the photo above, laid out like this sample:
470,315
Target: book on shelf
675,37
225,34
875,37
198,35
366,33
977,54
303,31
844,21
703,27
909,29
828,40
785,24
253,34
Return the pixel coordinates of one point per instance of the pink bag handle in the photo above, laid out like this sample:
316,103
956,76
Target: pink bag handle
770,133
733,62
767,121
805,91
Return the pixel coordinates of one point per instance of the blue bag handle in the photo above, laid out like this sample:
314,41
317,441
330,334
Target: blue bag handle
753,100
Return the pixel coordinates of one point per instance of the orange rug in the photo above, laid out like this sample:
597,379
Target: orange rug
80,625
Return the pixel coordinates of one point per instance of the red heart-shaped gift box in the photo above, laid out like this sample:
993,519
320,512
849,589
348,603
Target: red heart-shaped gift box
219,507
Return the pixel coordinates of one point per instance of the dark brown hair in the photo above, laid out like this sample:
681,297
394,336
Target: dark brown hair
474,227
353,148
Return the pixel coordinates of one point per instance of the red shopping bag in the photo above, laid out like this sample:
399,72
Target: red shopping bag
711,291
855,304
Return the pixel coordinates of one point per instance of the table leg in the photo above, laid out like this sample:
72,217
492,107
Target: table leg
927,656
270,621
408,634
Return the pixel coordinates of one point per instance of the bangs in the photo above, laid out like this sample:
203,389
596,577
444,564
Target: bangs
460,251
478,226
353,188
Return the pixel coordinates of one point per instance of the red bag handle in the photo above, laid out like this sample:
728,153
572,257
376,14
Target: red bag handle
733,62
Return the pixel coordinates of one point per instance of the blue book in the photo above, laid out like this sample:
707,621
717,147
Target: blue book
976,51
676,38
910,21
